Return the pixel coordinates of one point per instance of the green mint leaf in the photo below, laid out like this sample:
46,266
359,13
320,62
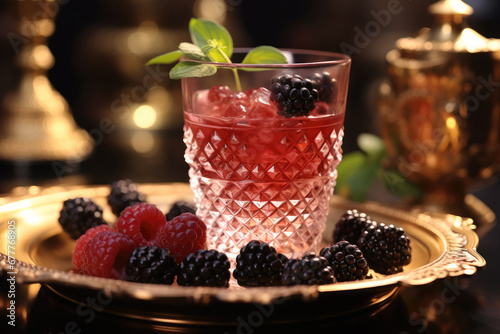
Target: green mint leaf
192,51
264,55
167,58
188,69
402,187
348,168
356,174
360,182
372,145
205,32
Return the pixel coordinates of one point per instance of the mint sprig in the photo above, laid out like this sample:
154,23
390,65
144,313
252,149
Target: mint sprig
212,42
360,169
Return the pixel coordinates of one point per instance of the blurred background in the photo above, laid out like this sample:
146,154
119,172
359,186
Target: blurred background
134,114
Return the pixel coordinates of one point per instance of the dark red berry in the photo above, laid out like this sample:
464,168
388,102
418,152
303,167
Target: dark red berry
204,268
150,264
180,207
124,193
259,264
350,226
78,215
106,255
83,240
142,223
346,260
183,235
293,95
386,248
309,270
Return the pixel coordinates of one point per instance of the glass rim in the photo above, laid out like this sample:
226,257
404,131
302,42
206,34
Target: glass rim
336,59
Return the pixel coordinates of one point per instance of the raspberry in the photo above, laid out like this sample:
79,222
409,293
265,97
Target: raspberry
325,85
294,95
204,268
183,235
151,264
142,223
258,264
180,207
386,248
78,215
350,226
124,193
106,255
83,240
346,260
309,270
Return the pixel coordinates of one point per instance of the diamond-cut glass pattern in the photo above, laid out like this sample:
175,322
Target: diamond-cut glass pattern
270,183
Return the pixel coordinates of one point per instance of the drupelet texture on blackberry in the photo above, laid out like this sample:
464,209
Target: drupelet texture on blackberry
79,215
385,247
350,226
346,260
124,193
294,95
151,264
325,86
204,268
258,264
180,207
309,270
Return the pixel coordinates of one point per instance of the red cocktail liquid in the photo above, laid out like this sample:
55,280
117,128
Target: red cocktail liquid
259,175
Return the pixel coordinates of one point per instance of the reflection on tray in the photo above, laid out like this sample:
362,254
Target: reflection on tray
440,248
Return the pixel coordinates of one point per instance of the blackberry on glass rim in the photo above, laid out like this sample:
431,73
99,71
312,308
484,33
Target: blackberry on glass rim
262,170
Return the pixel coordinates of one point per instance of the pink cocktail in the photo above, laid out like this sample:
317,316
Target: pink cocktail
255,173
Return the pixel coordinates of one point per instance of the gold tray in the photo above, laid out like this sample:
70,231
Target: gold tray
441,247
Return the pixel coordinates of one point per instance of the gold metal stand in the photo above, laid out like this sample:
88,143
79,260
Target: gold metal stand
37,124
440,108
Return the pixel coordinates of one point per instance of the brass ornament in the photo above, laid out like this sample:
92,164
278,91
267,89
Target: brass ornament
440,107
37,124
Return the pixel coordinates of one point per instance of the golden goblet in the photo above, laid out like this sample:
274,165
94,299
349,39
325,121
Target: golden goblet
440,109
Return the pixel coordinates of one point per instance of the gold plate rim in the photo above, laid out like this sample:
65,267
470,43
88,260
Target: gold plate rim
459,256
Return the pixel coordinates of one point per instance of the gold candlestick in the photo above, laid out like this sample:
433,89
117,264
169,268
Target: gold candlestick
37,124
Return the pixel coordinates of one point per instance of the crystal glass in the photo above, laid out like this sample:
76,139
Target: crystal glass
255,173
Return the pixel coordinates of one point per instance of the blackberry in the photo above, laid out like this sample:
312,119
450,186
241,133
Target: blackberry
350,226
309,270
79,215
180,207
294,95
386,248
346,260
325,85
150,264
258,264
204,268
124,193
